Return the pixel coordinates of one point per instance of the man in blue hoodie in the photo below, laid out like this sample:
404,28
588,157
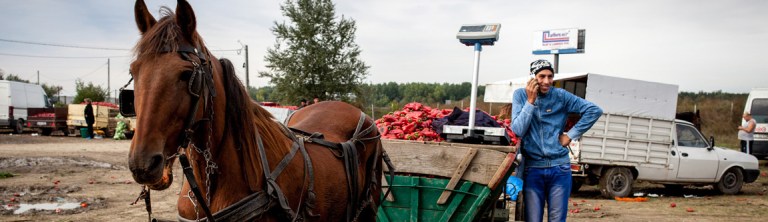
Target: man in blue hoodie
538,115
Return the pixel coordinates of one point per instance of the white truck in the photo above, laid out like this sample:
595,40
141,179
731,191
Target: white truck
638,138
15,98
757,105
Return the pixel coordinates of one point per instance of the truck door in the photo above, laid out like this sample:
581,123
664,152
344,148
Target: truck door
696,161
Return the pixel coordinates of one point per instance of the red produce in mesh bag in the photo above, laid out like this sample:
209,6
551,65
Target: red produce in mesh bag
412,122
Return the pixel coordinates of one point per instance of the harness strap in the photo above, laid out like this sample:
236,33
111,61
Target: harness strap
148,203
351,164
309,169
188,172
273,189
348,151
247,209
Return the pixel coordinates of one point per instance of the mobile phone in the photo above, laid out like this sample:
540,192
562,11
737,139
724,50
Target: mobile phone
534,77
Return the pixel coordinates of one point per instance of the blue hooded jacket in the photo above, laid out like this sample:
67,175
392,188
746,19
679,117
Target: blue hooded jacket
540,124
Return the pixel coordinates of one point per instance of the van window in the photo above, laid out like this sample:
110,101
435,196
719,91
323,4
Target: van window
760,110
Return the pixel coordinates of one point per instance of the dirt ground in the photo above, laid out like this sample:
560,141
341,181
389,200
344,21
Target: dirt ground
60,169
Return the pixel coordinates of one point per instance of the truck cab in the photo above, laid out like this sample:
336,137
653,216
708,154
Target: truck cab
700,162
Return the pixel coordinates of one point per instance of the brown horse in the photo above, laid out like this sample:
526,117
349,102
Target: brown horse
183,94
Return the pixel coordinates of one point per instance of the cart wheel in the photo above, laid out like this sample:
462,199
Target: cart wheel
106,132
18,128
46,131
520,207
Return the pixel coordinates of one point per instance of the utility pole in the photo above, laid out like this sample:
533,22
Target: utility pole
38,77
247,76
108,92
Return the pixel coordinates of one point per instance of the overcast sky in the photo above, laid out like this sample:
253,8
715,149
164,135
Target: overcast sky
700,45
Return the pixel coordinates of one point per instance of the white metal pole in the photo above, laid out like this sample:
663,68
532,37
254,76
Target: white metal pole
473,98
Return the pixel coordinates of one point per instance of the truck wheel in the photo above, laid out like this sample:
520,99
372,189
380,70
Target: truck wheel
731,181
576,184
46,131
18,127
616,182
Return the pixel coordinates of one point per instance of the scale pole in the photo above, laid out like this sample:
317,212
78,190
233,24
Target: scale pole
473,98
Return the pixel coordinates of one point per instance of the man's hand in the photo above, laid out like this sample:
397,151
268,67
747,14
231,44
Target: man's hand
565,140
532,89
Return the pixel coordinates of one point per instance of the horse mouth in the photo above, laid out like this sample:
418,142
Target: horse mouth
166,179
157,177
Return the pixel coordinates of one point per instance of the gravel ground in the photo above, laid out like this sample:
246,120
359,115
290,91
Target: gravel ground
58,169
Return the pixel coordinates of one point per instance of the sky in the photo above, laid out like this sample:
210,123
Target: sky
700,45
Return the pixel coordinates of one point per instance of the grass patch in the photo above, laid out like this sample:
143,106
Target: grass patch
4,175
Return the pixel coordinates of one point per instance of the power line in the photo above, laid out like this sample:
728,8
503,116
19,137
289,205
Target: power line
62,45
62,57
79,77
86,47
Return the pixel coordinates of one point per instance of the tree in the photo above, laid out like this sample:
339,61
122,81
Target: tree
96,93
2,73
12,77
52,90
315,54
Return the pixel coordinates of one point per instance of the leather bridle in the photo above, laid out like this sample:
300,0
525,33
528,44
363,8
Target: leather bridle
200,84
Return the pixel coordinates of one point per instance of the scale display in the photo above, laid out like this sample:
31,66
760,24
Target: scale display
485,34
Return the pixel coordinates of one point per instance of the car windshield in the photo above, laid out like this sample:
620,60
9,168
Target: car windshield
759,110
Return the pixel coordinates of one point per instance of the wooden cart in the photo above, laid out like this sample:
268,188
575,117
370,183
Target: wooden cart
444,181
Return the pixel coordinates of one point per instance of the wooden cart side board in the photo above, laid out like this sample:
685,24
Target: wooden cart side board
462,167
506,149
440,160
501,172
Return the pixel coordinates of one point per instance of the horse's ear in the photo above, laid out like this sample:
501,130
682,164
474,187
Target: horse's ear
185,18
144,19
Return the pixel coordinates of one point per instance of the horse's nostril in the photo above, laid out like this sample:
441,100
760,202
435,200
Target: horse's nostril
155,162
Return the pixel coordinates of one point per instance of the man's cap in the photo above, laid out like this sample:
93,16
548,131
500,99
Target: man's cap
541,64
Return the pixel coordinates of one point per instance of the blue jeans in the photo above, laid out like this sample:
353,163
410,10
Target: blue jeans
551,184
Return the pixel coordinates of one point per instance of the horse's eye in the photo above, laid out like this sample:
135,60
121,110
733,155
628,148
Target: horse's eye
185,76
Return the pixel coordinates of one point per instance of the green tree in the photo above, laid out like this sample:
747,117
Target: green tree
315,54
12,77
95,92
52,90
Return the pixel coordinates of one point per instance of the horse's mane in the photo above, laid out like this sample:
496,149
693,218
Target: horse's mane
165,36
243,118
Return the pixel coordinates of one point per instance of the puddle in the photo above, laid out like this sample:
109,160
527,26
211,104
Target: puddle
51,164
23,208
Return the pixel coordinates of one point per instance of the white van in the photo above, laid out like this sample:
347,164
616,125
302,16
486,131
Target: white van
757,105
15,98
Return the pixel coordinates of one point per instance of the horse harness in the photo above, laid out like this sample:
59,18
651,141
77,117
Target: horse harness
260,202
200,83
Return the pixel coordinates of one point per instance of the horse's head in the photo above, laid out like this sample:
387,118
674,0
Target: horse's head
168,80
